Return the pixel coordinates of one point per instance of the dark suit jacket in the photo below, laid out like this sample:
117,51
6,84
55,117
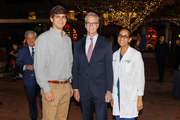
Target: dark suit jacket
24,58
98,72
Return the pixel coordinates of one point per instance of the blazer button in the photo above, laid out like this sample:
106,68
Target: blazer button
87,74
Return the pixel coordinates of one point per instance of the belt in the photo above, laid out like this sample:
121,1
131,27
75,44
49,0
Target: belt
59,82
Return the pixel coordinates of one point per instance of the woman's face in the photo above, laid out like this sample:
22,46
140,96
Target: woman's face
15,47
123,38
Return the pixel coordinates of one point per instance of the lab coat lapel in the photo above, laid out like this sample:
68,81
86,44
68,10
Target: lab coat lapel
126,55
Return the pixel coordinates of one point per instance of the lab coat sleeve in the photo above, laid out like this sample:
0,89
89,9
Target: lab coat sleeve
139,67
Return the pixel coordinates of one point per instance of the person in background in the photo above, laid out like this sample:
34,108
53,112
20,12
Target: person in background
14,54
25,61
9,48
53,66
129,80
161,50
177,56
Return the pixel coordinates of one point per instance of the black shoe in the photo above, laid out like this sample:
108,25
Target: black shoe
18,78
6,70
34,119
0,103
14,80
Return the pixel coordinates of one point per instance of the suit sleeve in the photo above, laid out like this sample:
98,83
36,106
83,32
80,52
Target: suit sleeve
139,67
109,70
19,60
75,67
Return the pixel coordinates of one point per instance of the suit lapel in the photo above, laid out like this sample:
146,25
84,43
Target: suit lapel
98,43
28,52
83,48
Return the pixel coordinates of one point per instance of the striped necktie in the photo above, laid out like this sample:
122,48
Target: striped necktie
33,53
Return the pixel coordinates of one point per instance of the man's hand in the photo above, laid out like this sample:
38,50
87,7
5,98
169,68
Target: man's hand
108,97
112,102
29,67
139,103
76,95
71,91
49,96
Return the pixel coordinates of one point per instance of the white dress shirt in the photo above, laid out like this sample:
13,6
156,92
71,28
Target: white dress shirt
30,50
88,41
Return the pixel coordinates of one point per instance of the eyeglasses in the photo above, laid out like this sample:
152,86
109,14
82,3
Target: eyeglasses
93,23
123,36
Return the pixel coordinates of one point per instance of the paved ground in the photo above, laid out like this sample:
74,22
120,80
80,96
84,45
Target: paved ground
158,101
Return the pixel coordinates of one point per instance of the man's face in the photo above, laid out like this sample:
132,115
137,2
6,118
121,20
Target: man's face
91,25
58,21
161,39
30,40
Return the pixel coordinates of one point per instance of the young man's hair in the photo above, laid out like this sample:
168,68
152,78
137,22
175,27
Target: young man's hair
58,10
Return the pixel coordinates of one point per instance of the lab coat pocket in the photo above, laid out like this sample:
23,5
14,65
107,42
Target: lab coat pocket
129,94
128,67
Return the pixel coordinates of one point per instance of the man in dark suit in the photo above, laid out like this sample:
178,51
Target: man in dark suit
161,50
25,61
92,71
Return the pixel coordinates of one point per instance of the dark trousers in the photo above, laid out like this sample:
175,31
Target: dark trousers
161,63
89,102
8,62
16,71
31,92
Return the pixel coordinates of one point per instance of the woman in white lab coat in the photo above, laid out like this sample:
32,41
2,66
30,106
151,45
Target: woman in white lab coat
128,86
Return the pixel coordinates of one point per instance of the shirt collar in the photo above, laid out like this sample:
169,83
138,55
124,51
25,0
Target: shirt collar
31,47
94,38
56,32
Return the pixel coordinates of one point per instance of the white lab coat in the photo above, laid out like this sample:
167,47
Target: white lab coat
130,71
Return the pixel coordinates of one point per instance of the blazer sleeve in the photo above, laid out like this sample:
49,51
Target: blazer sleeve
109,70
75,67
20,61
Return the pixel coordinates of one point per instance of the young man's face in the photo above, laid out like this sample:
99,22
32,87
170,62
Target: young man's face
58,21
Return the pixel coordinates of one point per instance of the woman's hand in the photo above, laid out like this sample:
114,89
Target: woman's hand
139,103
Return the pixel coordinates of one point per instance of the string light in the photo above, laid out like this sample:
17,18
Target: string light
172,20
124,15
130,14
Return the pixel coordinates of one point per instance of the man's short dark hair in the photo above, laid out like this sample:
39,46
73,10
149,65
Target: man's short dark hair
58,10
